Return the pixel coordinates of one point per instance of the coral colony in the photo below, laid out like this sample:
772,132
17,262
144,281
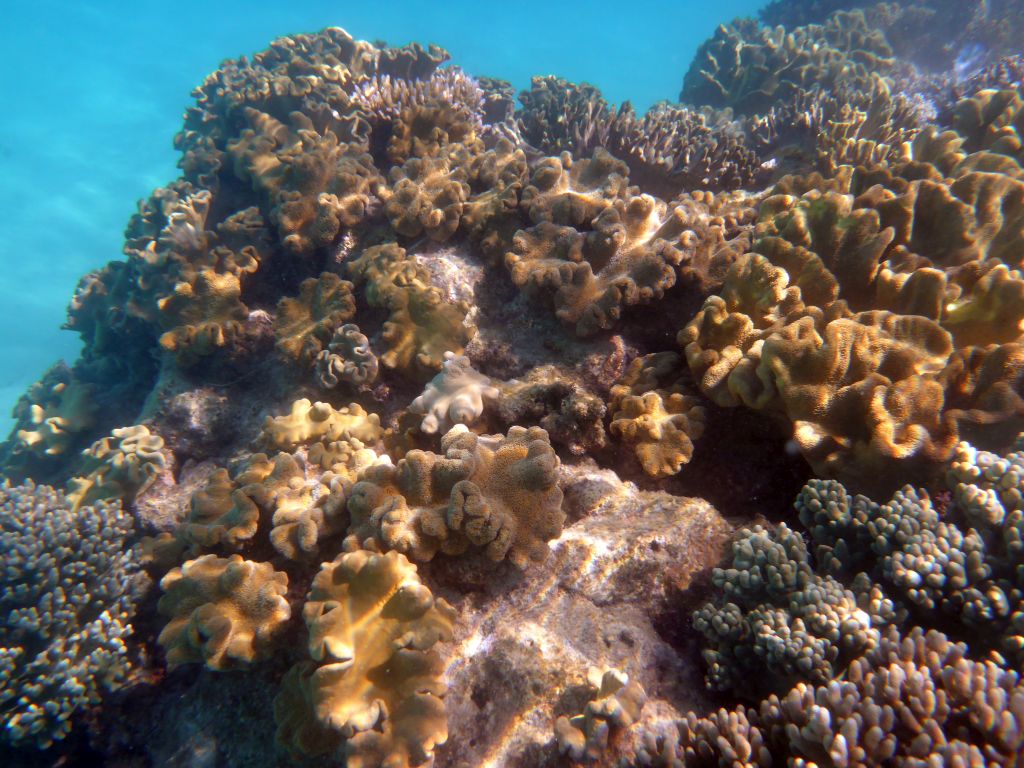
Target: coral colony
418,426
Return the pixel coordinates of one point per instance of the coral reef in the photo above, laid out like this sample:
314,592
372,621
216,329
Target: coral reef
67,599
454,379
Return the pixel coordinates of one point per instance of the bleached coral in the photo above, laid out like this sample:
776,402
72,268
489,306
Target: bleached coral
455,396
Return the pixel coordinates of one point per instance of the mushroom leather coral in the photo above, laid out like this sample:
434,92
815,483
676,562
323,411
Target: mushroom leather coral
225,613
936,348
308,421
496,493
422,326
656,418
118,467
616,704
305,324
373,693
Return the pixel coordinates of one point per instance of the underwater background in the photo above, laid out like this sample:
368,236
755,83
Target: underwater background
90,126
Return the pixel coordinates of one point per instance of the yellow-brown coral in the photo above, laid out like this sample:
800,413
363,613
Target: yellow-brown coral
374,692
658,420
305,324
225,613
496,493
309,421
422,326
118,467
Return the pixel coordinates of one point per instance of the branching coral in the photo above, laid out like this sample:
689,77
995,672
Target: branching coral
305,324
965,563
496,493
779,616
347,359
374,690
118,467
225,613
67,599
616,704
669,149
655,416
455,396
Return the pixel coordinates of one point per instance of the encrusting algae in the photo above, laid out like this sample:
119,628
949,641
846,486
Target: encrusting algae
421,427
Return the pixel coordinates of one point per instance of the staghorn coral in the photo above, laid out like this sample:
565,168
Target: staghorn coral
118,467
67,599
307,422
778,615
669,149
495,493
225,613
347,359
373,693
616,704
305,324
455,396
656,418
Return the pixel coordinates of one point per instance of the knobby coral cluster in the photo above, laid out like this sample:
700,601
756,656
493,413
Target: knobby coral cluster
388,346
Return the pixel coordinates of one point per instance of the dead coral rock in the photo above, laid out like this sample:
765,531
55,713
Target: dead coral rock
592,603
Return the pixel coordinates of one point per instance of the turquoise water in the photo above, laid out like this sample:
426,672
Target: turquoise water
95,92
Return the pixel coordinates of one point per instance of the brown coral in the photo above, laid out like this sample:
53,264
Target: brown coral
422,326
223,612
895,383
655,417
496,493
308,421
374,692
118,467
304,324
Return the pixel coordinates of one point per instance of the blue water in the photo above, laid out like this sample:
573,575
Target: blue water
94,92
